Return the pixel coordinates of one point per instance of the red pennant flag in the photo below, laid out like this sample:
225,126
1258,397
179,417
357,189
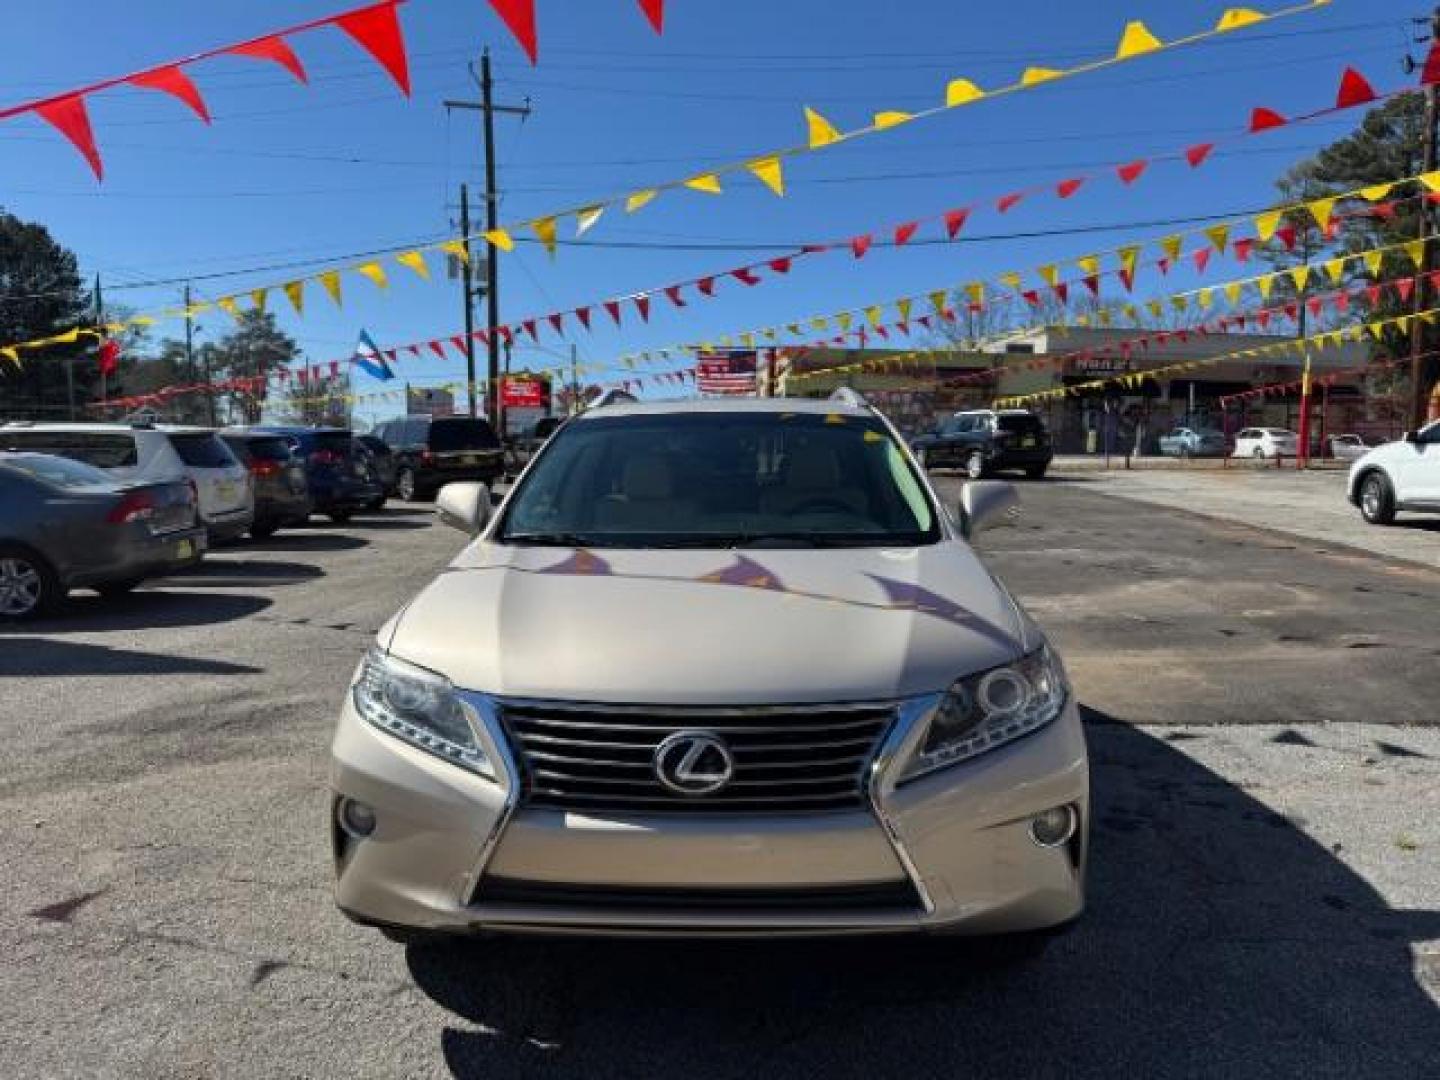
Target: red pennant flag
1264,119
955,221
1163,265
1372,293
1316,306
583,314
861,244
484,336
413,350
883,332
557,322
1130,173
706,285
438,349
1354,90
1031,297
613,307
1403,288
642,305
519,17
69,116
781,266
1292,311
377,31
109,356
173,81
529,327
1197,154
459,342
1005,202
924,320
745,276
905,232
1242,249
1202,259
654,11
1430,73
334,369
1127,278
1092,282
1062,291
506,334
273,48
673,292
1286,236
1066,188
1263,318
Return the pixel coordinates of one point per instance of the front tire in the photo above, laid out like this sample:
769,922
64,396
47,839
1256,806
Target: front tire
28,587
1377,499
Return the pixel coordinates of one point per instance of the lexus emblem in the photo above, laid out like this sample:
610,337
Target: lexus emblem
694,763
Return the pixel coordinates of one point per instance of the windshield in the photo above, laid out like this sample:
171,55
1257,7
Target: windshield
722,480
447,436
58,471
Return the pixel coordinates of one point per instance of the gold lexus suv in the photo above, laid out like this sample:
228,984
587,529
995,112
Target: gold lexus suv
713,667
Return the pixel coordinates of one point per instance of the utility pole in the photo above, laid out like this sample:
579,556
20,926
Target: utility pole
100,321
487,107
467,284
1419,363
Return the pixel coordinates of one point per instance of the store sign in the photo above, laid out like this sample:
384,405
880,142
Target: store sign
525,392
1102,365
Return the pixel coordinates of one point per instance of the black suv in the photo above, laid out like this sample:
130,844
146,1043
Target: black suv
433,451
987,441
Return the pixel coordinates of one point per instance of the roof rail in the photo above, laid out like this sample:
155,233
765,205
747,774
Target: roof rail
614,397
848,395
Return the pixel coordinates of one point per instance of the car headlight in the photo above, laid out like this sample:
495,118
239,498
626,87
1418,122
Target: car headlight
420,707
989,709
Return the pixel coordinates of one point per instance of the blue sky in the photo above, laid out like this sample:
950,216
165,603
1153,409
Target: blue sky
289,174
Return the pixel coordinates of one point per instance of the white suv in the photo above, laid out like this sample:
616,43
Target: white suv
223,486
1401,475
1264,442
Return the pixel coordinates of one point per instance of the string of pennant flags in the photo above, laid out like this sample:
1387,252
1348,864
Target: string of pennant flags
414,260
519,18
1329,378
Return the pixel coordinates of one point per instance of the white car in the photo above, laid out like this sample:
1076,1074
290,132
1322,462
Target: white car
223,487
1265,442
1402,475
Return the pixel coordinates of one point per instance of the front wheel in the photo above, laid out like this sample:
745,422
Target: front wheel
975,465
1377,499
28,587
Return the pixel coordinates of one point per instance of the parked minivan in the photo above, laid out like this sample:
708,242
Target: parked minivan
153,452
431,451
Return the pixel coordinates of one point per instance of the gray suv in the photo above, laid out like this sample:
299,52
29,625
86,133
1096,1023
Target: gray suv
714,667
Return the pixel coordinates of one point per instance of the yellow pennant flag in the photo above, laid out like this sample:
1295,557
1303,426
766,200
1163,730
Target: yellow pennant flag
1033,76
545,231
1336,269
709,183
1137,40
822,132
770,173
1373,259
884,120
640,199
1171,246
937,301
1416,250
13,355
873,314
414,260
845,319
975,290
1131,312
295,293
585,219
330,279
227,304
1050,274
748,340
1300,275
1206,297
1089,264
962,92
1266,224
1011,279
1219,235
820,324
1232,293
375,272
902,307
1180,303
1153,306
1235,18
1128,255
258,297
501,239
1321,210
1431,180
1376,192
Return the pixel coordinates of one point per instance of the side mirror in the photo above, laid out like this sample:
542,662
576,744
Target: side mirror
465,507
987,504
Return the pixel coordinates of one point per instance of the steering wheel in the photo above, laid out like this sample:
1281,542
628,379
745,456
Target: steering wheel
821,504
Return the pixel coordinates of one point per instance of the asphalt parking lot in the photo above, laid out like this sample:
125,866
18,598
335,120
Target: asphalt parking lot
1265,889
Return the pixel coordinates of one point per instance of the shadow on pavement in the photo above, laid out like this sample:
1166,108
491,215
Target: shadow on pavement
30,657
142,610
1221,941
302,542
397,523
224,573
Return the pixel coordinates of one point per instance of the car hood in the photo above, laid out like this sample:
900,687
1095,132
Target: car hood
712,627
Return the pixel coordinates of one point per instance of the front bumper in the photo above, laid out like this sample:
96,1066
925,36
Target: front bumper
950,852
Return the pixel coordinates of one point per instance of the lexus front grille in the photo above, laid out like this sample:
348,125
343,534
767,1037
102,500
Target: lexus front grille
787,759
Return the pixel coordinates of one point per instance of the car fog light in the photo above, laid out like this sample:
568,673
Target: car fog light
356,818
1053,827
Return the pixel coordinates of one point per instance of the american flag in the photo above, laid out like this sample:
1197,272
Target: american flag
726,372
